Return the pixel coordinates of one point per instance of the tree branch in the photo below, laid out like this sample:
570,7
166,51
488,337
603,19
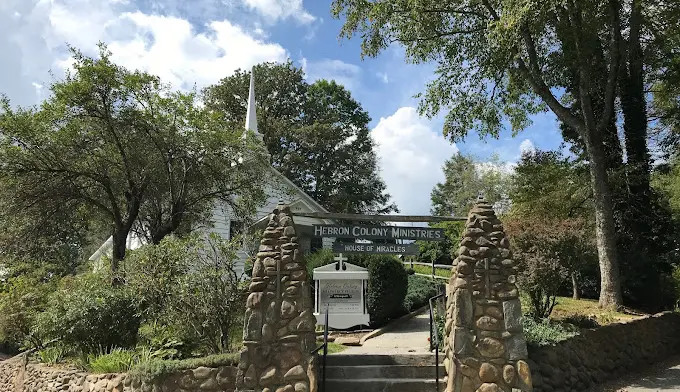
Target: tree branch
541,89
439,35
614,62
442,11
491,10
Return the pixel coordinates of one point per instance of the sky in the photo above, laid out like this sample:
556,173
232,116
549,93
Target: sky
198,42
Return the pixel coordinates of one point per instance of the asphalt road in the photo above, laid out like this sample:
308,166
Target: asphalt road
664,377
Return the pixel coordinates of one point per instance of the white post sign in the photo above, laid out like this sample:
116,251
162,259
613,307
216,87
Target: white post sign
341,288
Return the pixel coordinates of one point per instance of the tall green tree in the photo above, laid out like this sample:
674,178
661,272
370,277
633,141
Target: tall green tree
548,184
464,179
317,135
442,252
495,62
551,196
665,105
117,144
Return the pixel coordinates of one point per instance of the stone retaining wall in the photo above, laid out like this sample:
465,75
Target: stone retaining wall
17,376
605,353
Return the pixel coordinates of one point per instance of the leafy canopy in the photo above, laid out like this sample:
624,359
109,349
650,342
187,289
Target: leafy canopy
125,149
317,135
464,179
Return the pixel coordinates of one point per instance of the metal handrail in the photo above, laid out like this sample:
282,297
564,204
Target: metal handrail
434,339
323,346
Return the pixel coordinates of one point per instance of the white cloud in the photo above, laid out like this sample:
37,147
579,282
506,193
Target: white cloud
182,57
343,73
383,77
411,156
527,147
275,10
34,43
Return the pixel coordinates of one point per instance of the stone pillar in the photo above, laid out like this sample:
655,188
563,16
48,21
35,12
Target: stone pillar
278,334
484,342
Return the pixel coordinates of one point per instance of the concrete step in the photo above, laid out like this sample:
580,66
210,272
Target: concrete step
382,371
384,360
384,385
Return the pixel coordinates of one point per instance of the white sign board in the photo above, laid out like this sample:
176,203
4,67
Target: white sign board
343,293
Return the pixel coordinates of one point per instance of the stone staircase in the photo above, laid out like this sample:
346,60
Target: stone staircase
383,373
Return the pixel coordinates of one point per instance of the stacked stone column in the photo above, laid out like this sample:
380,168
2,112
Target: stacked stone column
485,346
279,322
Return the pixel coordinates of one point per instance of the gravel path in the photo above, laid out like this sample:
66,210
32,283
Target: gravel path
664,376
409,337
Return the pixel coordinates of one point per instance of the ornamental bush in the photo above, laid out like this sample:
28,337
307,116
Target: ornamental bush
87,313
546,332
420,290
387,288
22,300
190,293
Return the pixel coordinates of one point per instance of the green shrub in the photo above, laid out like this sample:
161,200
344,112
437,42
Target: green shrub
22,299
116,360
156,368
317,259
387,288
153,272
165,341
546,332
420,290
51,355
207,304
440,322
191,287
87,313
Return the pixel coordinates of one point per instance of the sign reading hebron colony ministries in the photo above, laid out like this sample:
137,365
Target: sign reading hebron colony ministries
379,232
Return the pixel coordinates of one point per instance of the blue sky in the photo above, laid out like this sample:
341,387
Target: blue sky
201,41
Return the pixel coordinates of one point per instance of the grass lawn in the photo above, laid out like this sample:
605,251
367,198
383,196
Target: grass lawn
334,348
568,307
423,269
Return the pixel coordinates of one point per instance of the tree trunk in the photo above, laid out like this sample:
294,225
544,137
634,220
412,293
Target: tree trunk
576,294
119,248
634,107
610,284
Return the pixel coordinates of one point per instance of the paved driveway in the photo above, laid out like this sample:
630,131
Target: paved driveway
665,378
409,337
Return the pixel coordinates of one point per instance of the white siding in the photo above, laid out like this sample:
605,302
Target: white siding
220,220
223,214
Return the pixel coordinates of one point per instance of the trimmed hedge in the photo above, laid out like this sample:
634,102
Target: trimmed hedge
387,288
420,290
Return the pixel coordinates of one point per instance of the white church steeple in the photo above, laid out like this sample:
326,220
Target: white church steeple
251,115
